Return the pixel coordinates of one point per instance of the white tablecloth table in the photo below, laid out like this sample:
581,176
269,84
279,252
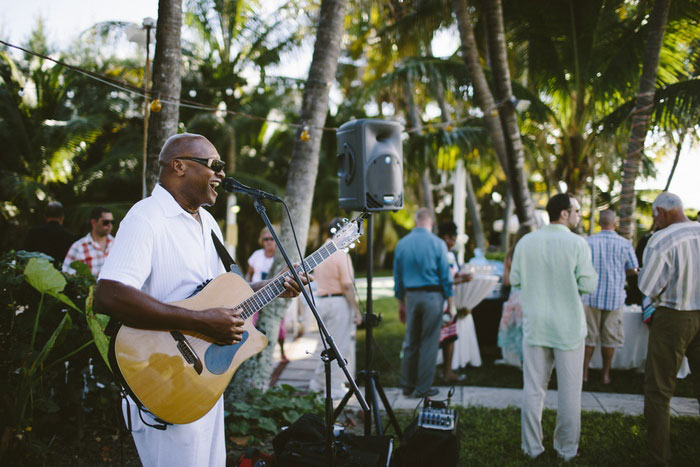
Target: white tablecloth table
470,294
467,296
634,353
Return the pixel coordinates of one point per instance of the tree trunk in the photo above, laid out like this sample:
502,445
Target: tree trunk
505,234
515,155
591,225
641,115
300,184
414,122
166,84
679,147
482,93
472,204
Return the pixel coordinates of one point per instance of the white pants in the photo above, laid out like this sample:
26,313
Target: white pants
337,314
537,369
197,444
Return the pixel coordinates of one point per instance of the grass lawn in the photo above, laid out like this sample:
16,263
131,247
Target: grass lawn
388,336
492,437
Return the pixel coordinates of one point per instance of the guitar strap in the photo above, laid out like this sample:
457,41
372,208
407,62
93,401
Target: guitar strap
229,264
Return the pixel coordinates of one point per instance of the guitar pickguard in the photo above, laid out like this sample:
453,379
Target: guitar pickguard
218,358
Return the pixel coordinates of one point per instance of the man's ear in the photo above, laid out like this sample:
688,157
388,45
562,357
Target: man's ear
178,167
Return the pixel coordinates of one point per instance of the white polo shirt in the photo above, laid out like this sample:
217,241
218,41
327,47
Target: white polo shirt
163,251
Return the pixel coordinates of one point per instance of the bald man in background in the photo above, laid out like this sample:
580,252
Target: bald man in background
613,259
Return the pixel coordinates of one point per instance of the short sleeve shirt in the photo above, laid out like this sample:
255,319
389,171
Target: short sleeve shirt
162,250
261,265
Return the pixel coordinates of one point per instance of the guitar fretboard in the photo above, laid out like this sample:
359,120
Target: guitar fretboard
275,287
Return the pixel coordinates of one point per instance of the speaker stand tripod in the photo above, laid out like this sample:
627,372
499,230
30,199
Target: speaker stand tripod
373,388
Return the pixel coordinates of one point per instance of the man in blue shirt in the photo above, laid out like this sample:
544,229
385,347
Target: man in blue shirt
422,281
613,260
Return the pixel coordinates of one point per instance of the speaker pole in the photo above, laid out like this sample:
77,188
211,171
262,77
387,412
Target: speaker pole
370,318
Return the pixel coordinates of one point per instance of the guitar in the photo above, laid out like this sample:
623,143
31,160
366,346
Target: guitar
179,375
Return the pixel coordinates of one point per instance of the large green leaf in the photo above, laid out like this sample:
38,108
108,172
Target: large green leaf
48,346
41,275
64,299
81,268
97,324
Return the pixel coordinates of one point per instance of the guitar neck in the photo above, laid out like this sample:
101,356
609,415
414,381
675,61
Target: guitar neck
275,287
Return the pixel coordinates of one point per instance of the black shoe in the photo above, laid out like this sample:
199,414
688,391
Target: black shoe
429,393
407,392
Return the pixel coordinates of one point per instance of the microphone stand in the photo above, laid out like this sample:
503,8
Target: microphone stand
327,355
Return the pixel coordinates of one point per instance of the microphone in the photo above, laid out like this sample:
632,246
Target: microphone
232,185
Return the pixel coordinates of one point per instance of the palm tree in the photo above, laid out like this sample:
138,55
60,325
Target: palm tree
166,84
580,64
641,114
301,177
504,93
509,150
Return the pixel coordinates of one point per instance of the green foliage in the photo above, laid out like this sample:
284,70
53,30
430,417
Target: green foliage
263,414
492,437
46,369
387,341
496,255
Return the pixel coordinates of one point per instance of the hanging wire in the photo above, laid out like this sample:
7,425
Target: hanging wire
190,104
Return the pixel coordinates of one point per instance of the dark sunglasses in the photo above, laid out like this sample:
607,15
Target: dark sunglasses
217,165
107,222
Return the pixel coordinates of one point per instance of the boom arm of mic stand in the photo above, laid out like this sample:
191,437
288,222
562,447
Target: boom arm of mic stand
321,325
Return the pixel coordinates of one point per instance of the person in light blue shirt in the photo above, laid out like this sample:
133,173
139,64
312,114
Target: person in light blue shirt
552,267
422,281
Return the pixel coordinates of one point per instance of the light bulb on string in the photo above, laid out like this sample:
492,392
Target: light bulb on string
156,106
304,135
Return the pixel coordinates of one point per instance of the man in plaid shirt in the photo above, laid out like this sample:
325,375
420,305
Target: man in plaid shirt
613,259
93,248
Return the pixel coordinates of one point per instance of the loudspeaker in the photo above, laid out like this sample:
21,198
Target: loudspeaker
370,165
425,446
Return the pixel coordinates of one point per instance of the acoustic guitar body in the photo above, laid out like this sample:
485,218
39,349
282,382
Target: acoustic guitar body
179,375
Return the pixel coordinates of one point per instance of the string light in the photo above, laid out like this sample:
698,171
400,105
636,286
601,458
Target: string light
156,106
304,136
157,103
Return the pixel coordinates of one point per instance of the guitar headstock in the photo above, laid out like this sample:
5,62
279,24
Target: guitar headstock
350,230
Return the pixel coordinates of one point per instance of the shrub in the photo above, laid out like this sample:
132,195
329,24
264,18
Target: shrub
51,373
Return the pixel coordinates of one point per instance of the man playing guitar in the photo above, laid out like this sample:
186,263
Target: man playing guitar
163,252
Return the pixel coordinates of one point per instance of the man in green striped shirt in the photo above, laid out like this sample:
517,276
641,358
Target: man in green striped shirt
552,267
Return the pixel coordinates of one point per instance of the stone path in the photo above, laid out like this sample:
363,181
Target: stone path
301,365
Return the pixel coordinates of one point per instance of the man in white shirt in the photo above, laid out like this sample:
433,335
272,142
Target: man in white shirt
163,252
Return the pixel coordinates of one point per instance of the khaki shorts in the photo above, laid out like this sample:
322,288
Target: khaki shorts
604,326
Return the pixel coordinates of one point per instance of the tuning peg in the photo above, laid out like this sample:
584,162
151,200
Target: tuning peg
333,230
352,245
346,250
